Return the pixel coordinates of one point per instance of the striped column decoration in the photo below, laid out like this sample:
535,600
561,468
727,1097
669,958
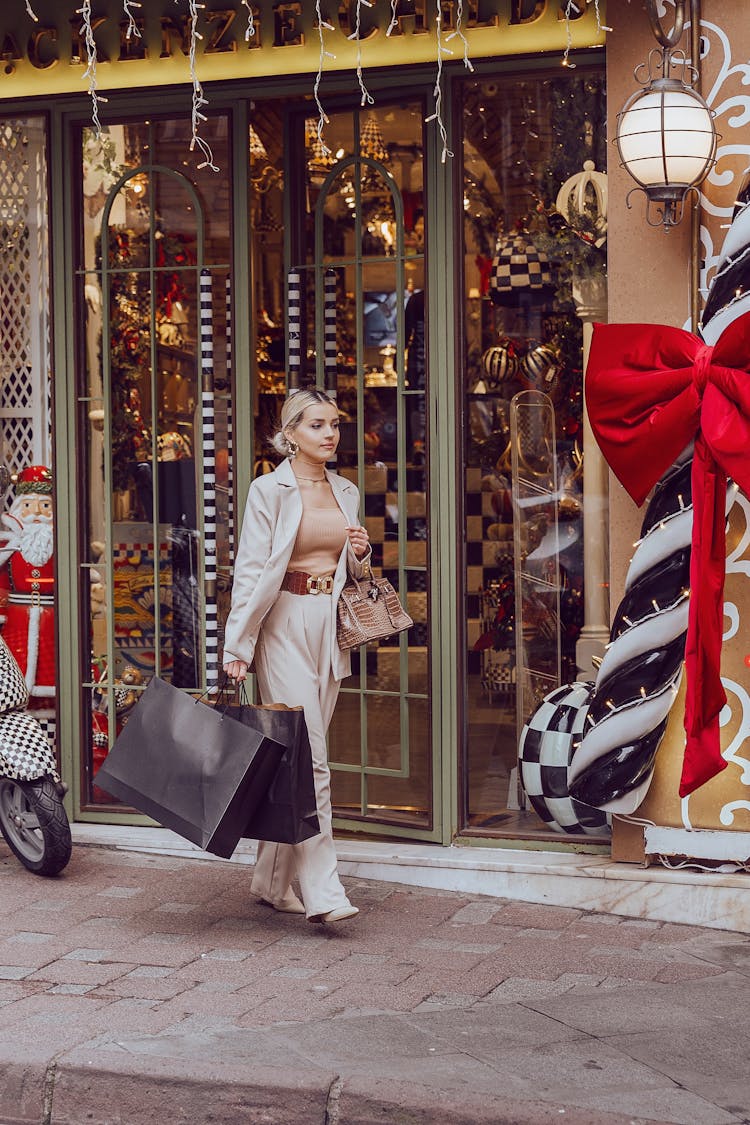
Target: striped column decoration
230,423
330,365
209,479
294,328
330,349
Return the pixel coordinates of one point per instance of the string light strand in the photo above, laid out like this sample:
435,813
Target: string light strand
599,25
460,33
437,116
199,100
133,29
568,37
90,72
367,98
250,29
30,12
324,54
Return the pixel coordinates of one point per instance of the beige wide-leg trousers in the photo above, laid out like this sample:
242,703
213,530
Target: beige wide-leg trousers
293,665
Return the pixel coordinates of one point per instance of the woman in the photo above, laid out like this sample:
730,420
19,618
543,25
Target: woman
300,537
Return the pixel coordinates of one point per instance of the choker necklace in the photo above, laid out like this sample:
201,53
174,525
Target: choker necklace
313,480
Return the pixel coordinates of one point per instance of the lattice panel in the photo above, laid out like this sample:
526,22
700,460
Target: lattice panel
18,442
25,422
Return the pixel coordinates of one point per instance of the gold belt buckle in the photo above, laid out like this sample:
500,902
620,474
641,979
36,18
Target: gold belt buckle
320,585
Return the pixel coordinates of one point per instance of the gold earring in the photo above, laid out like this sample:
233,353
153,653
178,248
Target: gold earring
293,448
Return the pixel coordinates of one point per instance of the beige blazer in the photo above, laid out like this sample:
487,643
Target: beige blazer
269,529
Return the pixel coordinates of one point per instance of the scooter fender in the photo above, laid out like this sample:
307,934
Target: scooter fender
25,752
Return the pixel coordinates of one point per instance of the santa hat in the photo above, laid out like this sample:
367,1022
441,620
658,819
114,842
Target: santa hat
34,479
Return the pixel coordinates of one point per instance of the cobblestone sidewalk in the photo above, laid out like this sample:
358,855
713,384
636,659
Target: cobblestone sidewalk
136,982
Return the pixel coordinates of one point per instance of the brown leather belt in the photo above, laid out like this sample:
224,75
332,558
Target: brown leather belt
298,582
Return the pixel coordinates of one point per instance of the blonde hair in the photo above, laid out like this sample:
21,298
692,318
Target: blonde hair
292,411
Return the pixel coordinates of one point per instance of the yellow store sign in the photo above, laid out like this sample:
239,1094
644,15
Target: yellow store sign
272,37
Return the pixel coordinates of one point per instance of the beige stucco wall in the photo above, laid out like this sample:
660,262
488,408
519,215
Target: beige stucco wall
648,269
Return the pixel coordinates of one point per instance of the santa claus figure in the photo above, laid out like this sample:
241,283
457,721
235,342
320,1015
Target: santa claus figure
26,548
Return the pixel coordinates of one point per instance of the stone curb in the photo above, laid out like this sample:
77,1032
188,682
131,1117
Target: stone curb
109,1088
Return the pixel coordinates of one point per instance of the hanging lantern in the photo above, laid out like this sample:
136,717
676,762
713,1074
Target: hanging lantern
320,160
371,143
582,201
257,148
666,135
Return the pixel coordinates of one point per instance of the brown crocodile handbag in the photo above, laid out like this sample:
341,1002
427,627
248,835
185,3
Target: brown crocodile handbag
369,610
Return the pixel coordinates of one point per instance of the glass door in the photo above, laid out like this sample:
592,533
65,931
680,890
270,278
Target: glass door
153,421
358,259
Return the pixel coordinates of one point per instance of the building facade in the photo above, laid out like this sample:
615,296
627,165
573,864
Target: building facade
433,254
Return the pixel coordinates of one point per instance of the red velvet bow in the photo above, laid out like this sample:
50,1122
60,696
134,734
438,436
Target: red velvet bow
650,391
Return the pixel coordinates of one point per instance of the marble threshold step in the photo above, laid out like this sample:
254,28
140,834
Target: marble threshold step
586,882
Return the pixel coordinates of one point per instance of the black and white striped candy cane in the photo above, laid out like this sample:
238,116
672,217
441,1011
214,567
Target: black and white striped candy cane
641,670
640,674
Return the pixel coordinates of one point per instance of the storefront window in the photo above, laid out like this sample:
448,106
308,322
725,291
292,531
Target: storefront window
527,253
153,273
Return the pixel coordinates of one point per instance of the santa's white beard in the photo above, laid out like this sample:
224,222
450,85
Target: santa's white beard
36,542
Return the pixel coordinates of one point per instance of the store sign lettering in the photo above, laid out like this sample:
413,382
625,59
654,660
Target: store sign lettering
224,32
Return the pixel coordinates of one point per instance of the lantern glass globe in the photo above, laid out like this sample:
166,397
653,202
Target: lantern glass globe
667,136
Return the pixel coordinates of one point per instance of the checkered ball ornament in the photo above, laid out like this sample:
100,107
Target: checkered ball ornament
25,751
516,266
546,748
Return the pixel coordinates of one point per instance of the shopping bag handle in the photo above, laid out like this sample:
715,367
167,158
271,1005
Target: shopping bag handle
224,688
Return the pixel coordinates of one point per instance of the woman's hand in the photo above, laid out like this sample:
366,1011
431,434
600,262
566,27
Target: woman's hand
236,670
359,540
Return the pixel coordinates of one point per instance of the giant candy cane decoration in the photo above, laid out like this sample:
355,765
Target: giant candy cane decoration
640,674
612,765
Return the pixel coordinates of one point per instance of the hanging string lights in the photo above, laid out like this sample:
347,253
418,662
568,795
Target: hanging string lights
576,8
367,98
573,9
324,54
133,29
90,72
250,29
437,91
460,33
199,98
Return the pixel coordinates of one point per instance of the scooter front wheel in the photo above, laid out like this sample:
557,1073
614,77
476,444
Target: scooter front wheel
35,825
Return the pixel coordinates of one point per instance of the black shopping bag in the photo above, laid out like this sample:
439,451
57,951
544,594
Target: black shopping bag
287,812
191,767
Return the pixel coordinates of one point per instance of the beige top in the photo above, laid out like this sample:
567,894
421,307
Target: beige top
320,539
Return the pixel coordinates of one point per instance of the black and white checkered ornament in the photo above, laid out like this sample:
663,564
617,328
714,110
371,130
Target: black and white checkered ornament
25,751
13,691
546,748
517,266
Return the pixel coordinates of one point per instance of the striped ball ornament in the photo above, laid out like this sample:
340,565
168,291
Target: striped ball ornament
500,364
541,366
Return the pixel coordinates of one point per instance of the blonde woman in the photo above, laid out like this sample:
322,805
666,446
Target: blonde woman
300,536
